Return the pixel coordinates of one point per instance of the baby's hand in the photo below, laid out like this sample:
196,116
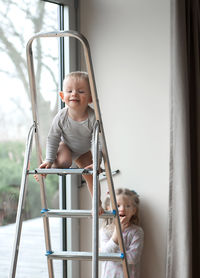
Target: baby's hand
45,165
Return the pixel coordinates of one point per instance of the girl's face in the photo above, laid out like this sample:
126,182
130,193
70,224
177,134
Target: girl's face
125,207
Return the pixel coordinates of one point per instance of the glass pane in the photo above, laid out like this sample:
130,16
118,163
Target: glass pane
19,21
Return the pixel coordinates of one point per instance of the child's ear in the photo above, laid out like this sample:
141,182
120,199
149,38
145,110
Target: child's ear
61,94
134,210
90,100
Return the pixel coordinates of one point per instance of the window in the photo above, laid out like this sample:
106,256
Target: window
19,21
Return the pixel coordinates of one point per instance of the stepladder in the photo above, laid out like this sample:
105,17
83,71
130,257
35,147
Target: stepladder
98,133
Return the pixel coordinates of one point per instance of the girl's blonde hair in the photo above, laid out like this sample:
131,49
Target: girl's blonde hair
134,197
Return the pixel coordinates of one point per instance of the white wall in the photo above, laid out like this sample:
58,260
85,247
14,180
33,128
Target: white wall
130,46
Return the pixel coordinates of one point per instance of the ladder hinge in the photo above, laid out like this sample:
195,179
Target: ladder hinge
35,124
99,126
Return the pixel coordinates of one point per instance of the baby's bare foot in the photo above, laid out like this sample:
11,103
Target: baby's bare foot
101,210
36,177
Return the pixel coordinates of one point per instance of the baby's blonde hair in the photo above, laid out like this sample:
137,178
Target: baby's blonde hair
78,75
134,197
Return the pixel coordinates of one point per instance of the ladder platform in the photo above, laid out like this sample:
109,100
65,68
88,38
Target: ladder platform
74,213
76,171
87,256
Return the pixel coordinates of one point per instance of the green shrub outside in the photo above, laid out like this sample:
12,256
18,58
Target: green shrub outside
11,165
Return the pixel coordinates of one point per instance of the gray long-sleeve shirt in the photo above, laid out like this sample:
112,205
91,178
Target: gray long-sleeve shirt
76,135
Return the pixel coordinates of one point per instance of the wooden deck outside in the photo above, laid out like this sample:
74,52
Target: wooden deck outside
32,262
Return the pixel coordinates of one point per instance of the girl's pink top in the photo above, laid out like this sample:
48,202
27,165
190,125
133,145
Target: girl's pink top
133,240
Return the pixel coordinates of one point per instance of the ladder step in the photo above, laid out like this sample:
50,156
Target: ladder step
87,256
76,171
75,213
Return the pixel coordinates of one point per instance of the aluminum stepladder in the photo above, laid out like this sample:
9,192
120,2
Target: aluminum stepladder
95,256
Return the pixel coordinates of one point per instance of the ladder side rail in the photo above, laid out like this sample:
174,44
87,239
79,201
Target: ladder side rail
105,155
21,203
32,83
95,220
33,92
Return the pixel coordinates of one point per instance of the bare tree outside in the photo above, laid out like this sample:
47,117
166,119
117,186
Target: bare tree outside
20,20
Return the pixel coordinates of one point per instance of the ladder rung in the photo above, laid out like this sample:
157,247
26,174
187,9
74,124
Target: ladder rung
75,213
79,171
87,256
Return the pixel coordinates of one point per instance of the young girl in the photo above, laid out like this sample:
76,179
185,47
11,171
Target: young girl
128,207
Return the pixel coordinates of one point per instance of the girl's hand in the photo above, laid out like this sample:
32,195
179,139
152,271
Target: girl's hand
124,224
100,209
